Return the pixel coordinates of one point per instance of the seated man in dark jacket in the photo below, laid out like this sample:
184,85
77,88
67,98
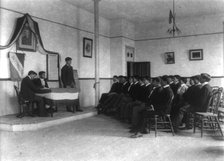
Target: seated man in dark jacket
41,82
161,105
28,90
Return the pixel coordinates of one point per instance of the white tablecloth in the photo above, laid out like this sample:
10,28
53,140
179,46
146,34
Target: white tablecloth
60,94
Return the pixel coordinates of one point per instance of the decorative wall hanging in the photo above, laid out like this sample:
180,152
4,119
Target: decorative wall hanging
87,47
26,40
196,54
172,20
169,58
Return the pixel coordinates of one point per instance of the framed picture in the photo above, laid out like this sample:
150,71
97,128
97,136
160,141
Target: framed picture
26,40
87,47
130,53
169,58
196,54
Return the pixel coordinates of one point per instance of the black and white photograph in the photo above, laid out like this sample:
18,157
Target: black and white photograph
169,58
111,80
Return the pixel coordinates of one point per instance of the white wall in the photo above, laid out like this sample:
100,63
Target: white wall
197,33
62,31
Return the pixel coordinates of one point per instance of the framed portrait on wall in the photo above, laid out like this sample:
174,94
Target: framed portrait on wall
196,54
26,40
169,58
87,47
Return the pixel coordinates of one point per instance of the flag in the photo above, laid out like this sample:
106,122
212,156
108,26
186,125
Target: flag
170,17
16,61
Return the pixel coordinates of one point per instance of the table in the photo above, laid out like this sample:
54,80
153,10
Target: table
68,96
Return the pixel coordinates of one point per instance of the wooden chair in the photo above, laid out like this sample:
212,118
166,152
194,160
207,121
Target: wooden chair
162,121
22,103
221,106
209,120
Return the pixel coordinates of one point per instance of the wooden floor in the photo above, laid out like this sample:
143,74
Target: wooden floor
101,138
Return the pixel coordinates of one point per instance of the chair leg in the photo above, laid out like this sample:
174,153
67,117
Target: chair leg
195,123
202,126
171,125
217,120
155,126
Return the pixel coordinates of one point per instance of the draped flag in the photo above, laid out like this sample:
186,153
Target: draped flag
16,66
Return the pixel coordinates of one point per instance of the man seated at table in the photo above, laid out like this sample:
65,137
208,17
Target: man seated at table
41,82
28,90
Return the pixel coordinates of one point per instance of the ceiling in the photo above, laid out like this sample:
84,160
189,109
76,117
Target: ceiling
149,10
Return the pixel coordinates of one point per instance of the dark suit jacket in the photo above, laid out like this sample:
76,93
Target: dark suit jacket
204,96
67,77
164,105
28,89
135,91
37,82
125,87
115,88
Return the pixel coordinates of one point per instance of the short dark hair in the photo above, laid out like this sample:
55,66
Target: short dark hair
184,79
41,72
136,77
68,58
157,79
206,77
32,72
165,78
197,77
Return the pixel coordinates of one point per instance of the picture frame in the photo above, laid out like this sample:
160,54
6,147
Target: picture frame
195,54
130,53
87,47
26,40
169,58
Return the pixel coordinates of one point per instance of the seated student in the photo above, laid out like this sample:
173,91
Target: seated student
28,90
113,100
205,93
137,101
192,99
133,96
114,89
41,82
161,106
150,90
178,99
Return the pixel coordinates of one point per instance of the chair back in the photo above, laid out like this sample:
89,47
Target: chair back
17,93
215,102
215,89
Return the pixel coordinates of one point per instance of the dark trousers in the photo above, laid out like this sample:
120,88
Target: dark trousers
183,111
40,105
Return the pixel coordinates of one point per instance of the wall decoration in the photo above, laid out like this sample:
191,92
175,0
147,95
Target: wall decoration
169,58
26,40
130,53
87,47
196,54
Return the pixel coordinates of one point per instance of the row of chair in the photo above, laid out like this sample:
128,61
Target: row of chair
209,120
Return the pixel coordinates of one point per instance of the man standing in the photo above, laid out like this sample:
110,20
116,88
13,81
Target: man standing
28,90
68,79
67,74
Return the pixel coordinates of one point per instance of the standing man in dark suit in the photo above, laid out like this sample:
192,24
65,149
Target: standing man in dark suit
67,74
68,80
41,82
28,90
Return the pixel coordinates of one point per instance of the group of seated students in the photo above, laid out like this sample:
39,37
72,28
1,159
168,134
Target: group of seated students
136,98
